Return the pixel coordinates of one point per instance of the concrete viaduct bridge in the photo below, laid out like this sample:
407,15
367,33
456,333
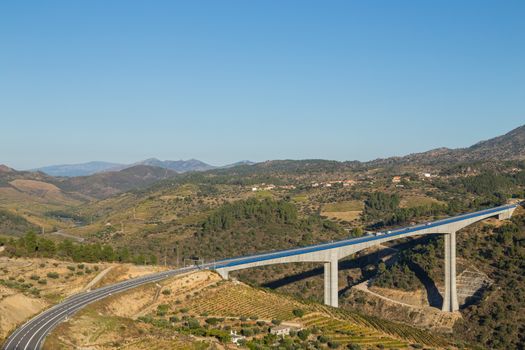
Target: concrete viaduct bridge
31,335
330,253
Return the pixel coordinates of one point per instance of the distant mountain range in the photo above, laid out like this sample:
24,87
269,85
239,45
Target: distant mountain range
83,169
106,179
95,167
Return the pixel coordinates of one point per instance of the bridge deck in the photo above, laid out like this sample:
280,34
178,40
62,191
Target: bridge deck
406,231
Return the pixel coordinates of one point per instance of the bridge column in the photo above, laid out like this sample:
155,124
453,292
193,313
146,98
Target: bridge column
224,273
506,215
331,283
450,298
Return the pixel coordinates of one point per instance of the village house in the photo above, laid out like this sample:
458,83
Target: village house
236,337
396,179
281,330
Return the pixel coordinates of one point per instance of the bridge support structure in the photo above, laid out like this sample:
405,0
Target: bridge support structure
329,254
331,283
450,297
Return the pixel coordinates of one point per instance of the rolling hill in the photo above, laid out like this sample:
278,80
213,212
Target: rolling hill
105,184
510,146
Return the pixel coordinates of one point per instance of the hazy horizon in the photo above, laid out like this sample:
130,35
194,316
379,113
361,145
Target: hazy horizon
235,161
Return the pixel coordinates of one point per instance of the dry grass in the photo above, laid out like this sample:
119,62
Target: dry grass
417,201
343,206
34,186
347,210
344,215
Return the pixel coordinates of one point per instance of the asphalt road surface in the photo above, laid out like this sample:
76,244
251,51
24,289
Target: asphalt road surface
31,335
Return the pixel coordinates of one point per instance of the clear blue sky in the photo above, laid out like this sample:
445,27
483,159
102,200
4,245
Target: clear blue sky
226,80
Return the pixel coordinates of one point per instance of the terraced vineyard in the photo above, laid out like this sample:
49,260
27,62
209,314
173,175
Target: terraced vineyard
346,332
395,329
236,300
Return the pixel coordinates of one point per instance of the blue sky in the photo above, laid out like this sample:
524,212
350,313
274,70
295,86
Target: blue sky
226,80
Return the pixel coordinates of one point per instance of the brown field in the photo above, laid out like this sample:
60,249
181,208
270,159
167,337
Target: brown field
346,210
342,215
417,201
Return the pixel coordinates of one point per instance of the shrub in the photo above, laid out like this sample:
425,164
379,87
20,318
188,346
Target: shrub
42,281
276,322
71,267
303,334
53,275
333,344
322,339
247,332
35,277
193,323
166,291
298,312
162,309
212,321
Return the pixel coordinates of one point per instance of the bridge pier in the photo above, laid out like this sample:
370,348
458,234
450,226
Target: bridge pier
450,298
331,283
223,273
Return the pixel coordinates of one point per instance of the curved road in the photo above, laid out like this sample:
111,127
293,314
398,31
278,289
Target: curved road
31,335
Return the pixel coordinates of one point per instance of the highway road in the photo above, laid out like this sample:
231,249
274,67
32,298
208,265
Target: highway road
31,335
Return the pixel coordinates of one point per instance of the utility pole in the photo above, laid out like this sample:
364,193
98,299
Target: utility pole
178,254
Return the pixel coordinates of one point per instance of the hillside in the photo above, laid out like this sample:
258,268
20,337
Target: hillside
28,286
105,184
199,310
510,146
26,198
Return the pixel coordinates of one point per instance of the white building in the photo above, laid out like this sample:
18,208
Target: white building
280,330
236,337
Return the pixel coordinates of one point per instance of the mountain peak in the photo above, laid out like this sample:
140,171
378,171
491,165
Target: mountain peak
5,169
